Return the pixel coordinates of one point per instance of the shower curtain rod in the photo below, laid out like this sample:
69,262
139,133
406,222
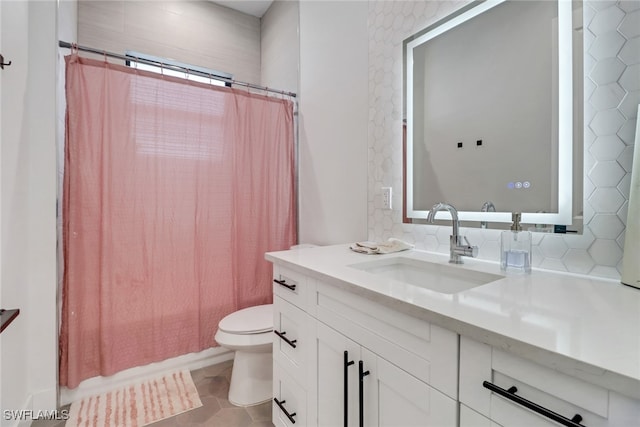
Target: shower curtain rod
173,67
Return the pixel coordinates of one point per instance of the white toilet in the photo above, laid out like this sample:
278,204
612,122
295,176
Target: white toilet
249,332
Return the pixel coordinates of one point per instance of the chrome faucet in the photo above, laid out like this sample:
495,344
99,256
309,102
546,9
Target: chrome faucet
487,207
457,249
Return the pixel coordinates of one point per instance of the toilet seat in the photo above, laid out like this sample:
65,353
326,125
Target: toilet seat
248,332
249,321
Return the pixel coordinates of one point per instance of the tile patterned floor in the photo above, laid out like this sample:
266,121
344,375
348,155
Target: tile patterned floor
212,383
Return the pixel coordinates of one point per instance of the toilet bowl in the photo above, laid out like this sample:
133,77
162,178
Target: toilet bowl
249,332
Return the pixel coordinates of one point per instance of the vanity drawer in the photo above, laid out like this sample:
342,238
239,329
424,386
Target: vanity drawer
291,286
470,418
426,351
292,341
487,374
289,405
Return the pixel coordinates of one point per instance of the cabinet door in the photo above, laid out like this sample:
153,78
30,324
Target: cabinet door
390,396
336,393
395,398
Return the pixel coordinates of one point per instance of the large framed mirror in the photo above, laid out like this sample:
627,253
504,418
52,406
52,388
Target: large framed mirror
493,115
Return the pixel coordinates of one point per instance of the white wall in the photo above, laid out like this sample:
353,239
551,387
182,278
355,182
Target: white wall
280,46
194,32
29,346
333,121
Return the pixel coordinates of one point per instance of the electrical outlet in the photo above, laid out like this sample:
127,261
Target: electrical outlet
386,197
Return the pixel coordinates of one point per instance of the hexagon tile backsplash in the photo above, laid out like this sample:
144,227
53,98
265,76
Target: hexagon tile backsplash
612,95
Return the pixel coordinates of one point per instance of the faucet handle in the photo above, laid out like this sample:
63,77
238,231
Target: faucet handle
474,249
468,250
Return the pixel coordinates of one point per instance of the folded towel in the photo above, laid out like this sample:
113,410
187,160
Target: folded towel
373,248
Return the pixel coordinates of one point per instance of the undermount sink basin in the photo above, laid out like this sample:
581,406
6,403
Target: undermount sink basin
443,278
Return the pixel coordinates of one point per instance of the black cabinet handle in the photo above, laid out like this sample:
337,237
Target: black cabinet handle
283,409
347,363
361,374
511,395
292,343
285,284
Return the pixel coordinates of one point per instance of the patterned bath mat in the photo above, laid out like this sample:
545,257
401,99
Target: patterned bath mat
138,404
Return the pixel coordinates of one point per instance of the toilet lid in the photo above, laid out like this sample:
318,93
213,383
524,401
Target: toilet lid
251,320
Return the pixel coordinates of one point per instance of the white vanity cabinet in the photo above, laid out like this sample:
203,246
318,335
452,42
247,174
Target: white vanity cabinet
500,389
355,362
423,357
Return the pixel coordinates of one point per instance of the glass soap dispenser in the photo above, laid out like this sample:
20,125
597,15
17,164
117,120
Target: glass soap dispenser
515,248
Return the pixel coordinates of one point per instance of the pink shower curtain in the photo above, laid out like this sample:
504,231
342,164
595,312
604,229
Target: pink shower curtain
173,192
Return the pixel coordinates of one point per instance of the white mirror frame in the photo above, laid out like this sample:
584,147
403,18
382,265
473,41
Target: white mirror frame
565,123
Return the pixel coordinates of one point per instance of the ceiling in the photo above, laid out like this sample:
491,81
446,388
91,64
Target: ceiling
250,7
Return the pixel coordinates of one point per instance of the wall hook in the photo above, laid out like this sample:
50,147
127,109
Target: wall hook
2,64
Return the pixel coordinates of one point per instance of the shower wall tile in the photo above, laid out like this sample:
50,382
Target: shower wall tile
195,32
611,93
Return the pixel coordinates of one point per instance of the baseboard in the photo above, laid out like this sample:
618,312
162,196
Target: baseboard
45,400
98,385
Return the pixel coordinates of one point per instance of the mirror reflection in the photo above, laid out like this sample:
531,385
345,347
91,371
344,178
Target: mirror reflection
493,107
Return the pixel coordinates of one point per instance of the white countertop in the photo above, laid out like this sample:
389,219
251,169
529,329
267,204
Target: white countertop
592,324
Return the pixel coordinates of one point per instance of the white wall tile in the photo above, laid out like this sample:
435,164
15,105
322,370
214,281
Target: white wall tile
607,122
627,131
629,105
629,5
576,241
630,52
630,79
624,186
606,226
608,130
606,45
578,261
606,21
626,158
607,147
553,246
605,272
606,200
607,96
553,264
606,252
607,71
606,174
630,26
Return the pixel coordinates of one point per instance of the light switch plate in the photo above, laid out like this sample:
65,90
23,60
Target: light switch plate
386,197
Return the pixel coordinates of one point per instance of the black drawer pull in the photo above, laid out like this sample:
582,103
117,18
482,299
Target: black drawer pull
285,284
361,373
283,409
510,394
347,363
292,343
